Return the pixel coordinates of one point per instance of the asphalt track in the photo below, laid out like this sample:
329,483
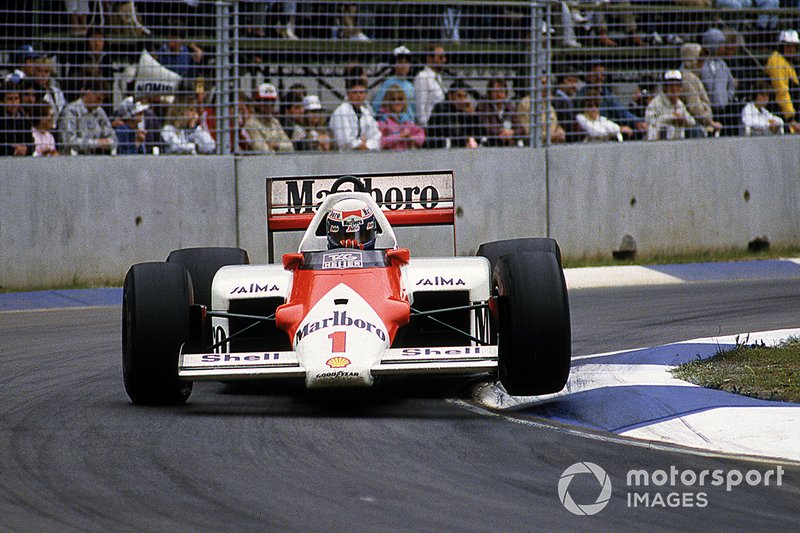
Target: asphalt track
75,455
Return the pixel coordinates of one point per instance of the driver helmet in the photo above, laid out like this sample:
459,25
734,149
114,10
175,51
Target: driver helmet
351,224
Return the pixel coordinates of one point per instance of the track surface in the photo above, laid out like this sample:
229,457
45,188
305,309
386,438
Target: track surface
75,455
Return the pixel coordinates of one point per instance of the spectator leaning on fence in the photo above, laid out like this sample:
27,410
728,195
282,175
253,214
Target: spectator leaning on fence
44,142
263,127
318,138
564,102
593,125
402,68
610,106
694,93
183,132
756,118
14,124
428,84
667,116
84,125
718,79
397,131
783,76
352,123
130,127
548,122
499,120
454,122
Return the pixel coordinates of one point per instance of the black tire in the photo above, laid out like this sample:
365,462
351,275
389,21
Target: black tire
155,323
203,264
533,324
493,251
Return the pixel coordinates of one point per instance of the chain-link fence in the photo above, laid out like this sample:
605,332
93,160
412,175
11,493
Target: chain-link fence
257,76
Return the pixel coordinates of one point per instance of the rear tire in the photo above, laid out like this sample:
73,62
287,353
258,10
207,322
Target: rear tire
203,264
155,323
493,251
533,324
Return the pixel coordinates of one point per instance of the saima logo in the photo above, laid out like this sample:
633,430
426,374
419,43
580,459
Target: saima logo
585,509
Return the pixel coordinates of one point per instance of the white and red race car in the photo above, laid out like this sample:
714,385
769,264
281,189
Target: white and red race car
347,317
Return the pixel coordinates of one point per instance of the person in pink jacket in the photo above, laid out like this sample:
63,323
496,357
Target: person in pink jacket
396,134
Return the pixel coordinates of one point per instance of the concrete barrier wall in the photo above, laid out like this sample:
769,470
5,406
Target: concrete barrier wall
67,221
72,220
676,196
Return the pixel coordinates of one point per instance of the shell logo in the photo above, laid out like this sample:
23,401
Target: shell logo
338,362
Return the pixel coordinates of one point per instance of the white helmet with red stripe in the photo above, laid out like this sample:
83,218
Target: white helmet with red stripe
351,224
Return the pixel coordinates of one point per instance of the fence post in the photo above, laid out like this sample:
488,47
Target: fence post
223,73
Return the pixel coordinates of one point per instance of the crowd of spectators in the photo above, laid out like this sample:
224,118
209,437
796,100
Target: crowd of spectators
712,90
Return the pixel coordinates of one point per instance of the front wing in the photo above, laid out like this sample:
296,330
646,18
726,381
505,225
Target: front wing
395,362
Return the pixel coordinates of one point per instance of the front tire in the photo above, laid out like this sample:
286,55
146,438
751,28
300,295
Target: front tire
155,324
533,324
203,264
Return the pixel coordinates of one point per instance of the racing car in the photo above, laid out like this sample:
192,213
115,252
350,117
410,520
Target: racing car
350,306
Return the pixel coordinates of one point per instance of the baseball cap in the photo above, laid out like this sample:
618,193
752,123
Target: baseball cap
673,75
129,108
28,52
266,91
401,51
789,36
311,103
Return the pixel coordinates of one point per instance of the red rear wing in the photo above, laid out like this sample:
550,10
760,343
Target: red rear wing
406,198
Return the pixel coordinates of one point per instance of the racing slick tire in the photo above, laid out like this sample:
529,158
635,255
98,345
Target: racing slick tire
533,324
203,264
493,251
155,323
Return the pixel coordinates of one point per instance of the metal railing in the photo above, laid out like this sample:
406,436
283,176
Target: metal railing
258,76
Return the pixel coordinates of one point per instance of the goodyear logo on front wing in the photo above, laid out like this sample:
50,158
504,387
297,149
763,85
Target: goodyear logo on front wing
338,362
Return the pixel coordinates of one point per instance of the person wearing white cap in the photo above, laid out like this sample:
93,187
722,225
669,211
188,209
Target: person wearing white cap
783,77
264,128
129,125
318,138
402,68
666,115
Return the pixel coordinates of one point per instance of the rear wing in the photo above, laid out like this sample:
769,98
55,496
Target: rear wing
406,198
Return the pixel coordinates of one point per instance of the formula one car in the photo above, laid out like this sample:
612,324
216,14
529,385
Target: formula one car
350,307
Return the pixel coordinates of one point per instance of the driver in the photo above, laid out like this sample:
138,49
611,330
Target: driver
351,224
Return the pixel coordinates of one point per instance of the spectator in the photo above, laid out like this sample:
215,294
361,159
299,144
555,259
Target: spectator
183,132
548,121
318,138
398,133
667,116
756,118
564,103
85,127
499,121
153,124
130,127
92,61
402,67
263,127
718,79
350,26
352,123
783,76
44,143
14,125
610,106
176,55
78,14
208,117
694,92
593,125
428,84
295,117
454,122
38,68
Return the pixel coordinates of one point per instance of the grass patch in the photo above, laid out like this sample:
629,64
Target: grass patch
767,373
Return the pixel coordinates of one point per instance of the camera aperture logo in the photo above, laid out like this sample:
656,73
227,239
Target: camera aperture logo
589,508
662,488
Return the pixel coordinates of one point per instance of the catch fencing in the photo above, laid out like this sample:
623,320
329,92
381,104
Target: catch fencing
259,76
